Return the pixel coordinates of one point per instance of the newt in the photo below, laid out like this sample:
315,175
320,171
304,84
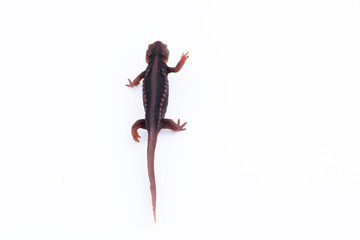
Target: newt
155,91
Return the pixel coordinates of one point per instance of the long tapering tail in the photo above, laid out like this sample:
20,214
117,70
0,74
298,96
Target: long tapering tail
150,164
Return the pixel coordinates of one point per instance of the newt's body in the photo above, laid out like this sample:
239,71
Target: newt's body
155,98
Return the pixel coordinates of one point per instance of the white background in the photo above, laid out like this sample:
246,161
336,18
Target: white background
270,93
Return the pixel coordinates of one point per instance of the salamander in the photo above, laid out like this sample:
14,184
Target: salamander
155,91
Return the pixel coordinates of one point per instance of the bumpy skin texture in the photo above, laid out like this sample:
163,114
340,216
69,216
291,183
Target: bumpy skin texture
155,98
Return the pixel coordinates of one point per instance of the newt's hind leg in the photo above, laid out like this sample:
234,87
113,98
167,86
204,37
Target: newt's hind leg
138,124
170,124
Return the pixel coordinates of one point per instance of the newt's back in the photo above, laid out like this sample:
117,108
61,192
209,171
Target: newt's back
155,86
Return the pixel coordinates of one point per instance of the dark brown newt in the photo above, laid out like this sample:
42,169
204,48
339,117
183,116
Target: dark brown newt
155,99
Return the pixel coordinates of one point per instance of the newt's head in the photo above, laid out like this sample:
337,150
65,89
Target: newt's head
157,48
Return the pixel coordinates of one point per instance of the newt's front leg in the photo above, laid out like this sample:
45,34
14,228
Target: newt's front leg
180,64
136,80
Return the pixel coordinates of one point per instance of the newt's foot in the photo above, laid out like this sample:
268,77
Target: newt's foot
184,56
131,84
135,135
181,127
138,124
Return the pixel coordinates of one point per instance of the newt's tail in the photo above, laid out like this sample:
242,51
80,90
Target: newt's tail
150,164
